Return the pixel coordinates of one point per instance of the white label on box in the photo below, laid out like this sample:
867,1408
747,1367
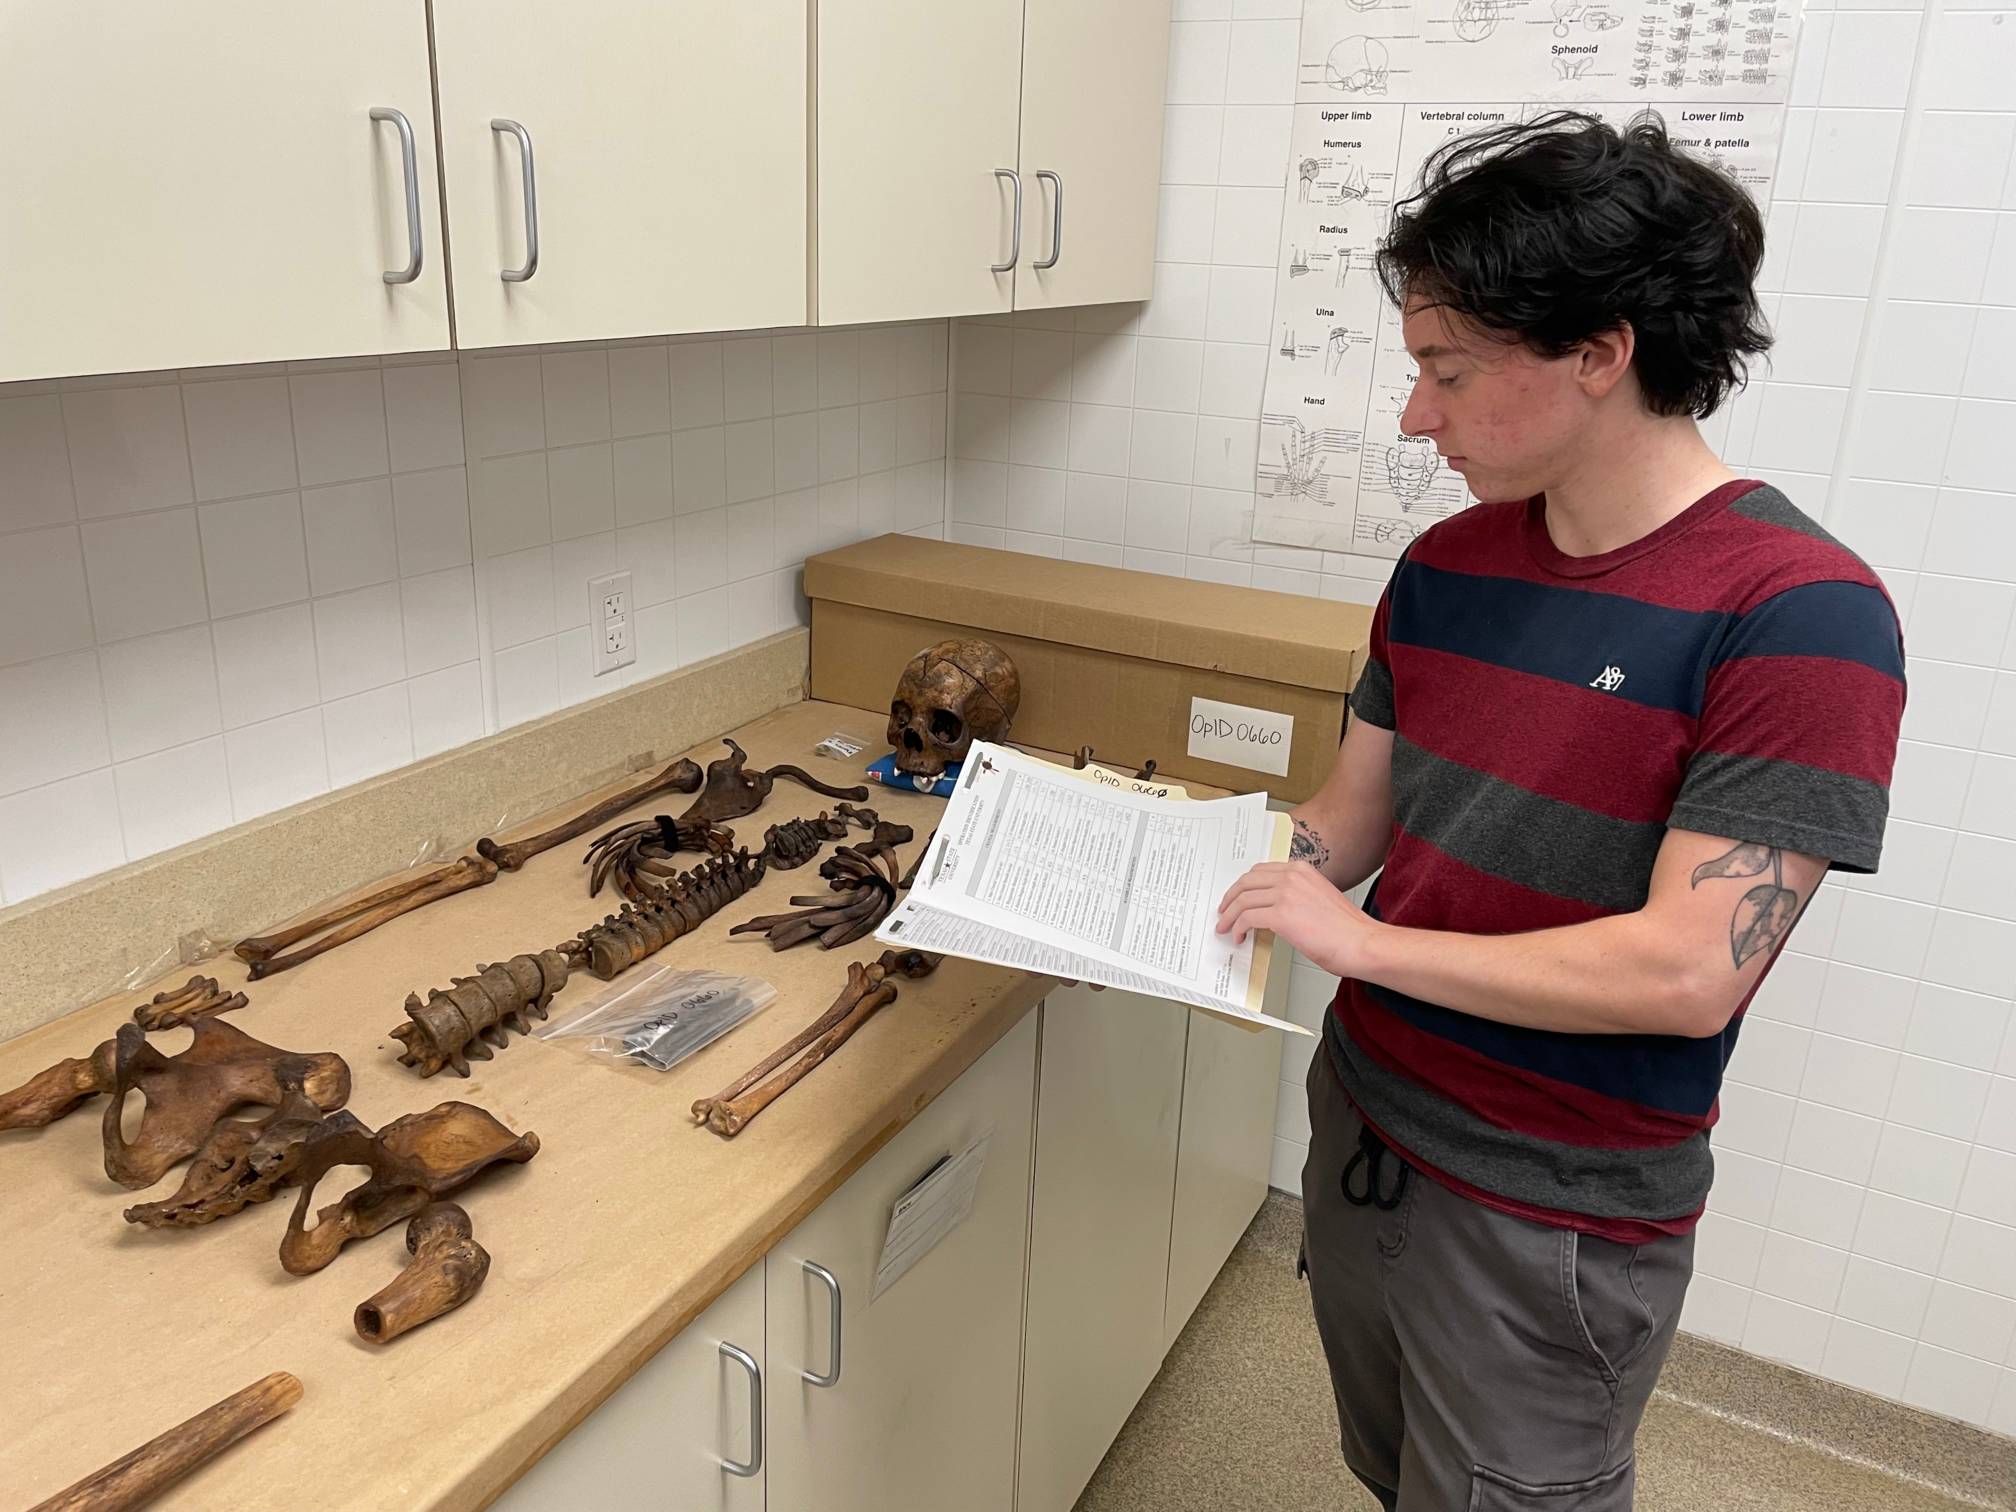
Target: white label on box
1258,739
930,1210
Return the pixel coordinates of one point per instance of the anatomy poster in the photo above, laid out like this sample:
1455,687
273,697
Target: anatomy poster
1383,83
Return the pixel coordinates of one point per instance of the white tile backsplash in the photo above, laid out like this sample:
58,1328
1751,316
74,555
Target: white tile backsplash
576,389
359,640
241,437
431,517
254,553
423,416
446,708
339,425
159,691
265,664
276,762
173,796
44,606
129,449
34,463
352,539
581,490
367,733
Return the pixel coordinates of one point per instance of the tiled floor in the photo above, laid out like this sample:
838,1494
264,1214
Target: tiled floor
1241,1418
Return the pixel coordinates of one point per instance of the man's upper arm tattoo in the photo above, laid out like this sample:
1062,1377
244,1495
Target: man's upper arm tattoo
1766,913
1308,846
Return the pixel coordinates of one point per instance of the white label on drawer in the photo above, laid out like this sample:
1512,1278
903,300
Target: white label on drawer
1257,739
930,1210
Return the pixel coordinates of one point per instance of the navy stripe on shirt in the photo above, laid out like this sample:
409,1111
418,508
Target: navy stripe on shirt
1555,632
1845,621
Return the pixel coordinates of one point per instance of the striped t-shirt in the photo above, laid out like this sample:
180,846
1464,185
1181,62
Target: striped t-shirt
1737,672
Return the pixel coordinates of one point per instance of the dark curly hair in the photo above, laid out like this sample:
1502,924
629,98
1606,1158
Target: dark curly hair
1555,230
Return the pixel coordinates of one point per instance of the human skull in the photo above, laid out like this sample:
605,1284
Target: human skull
951,695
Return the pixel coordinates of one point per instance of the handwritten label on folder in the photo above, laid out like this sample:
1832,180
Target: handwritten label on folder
1257,739
929,1211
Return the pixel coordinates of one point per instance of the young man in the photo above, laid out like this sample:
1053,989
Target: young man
1612,733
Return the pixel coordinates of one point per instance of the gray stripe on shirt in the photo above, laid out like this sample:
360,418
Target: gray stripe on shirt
1795,807
1502,829
1372,701
1652,1184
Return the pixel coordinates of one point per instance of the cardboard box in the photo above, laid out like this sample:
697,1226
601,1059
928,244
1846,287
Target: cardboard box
1109,658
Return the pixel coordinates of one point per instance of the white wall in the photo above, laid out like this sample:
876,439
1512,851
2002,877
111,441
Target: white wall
223,591
1863,1222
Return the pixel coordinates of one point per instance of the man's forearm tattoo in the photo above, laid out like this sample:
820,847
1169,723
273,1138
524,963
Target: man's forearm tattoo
1308,846
1767,911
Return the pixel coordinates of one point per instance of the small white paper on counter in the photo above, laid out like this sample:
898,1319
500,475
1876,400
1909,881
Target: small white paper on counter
1257,739
928,1212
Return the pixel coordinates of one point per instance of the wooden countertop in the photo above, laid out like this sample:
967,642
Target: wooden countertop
622,1230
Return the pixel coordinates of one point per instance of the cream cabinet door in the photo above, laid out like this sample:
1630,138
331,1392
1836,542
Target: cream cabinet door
1107,1111
922,1414
668,184
1231,1083
189,184
917,111
1093,73
657,1444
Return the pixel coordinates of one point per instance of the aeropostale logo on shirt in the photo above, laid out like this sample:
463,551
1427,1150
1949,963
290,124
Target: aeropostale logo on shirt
1610,679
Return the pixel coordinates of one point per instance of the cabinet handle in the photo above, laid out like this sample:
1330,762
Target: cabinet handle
832,1376
519,275
1015,243
411,166
755,1465
1056,220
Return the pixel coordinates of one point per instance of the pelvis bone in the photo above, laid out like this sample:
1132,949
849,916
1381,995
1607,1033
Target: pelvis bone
224,1068
412,1161
245,1160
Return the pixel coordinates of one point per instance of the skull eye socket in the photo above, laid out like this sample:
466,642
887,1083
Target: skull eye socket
946,726
900,712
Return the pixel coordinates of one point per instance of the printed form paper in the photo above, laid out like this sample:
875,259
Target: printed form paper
1088,875
930,1210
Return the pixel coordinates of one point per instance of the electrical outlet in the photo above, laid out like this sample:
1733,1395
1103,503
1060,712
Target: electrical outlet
612,638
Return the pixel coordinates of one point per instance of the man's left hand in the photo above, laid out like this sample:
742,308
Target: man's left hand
1303,908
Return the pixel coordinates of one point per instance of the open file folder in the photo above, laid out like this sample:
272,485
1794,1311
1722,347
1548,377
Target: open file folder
1092,875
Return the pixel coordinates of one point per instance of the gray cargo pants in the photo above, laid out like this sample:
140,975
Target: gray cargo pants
1482,1363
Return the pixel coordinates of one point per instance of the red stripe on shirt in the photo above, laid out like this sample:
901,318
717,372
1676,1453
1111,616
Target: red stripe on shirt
1618,1230
1424,887
1819,711
1572,743
1523,1101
